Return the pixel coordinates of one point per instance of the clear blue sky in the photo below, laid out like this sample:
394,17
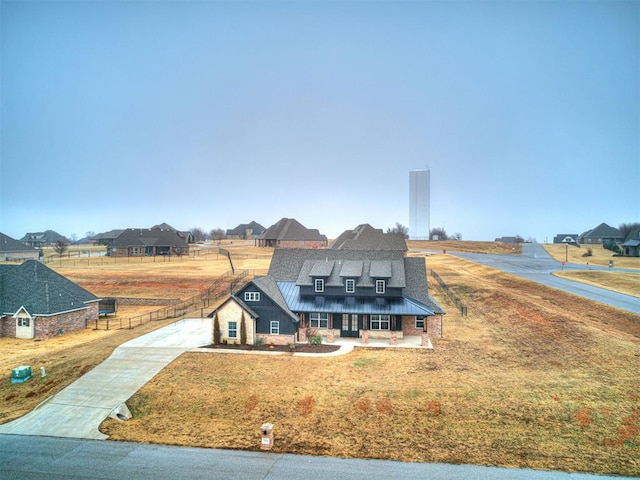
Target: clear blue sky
210,114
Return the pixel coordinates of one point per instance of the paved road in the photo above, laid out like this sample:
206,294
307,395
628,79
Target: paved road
537,265
78,410
28,458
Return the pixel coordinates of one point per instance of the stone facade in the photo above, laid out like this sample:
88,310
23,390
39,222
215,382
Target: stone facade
232,312
277,339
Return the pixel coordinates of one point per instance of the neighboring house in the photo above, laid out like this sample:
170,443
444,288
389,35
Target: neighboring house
570,238
509,239
245,231
603,233
139,242
12,249
289,233
35,302
334,293
631,245
105,238
187,235
43,239
365,237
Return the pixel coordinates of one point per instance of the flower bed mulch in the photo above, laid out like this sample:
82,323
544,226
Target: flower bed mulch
299,347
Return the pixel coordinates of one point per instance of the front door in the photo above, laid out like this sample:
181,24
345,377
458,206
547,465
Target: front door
349,325
25,327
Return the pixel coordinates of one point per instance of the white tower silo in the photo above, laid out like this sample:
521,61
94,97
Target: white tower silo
419,193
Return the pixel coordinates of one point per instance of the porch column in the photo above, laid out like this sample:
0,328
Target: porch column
365,330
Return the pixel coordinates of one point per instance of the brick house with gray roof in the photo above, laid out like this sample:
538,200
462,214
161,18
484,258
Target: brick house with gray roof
36,302
245,231
365,237
335,293
139,242
601,234
14,250
289,233
47,238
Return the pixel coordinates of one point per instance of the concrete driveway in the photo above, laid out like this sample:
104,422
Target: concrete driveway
78,410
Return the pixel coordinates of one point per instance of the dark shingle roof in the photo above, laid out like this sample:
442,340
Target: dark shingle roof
48,237
291,229
149,237
242,228
270,288
295,264
603,231
365,237
40,290
8,244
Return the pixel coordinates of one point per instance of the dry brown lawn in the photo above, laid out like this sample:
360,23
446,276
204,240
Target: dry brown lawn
623,282
465,246
65,358
600,256
531,378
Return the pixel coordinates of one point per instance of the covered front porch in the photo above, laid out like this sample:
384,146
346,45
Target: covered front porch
407,341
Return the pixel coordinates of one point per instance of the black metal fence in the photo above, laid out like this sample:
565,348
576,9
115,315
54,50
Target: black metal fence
457,301
196,304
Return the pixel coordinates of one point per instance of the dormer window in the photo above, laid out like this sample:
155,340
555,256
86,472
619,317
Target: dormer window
319,285
350,285
380,286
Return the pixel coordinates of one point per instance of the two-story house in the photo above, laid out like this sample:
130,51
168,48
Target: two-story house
334,293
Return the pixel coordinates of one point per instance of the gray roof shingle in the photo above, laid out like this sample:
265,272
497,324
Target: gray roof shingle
40,290
8,244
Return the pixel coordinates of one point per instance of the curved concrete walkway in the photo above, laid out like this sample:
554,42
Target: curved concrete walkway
78,410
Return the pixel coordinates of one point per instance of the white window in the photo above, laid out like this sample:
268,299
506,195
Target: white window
24,322
350,285
380,286
419,322
380,322
251,296
319,285
274,328
319,320
233,330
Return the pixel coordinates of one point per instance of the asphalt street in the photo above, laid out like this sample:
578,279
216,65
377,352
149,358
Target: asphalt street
29,458
537,265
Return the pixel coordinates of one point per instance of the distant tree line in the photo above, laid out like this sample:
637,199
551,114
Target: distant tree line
199,235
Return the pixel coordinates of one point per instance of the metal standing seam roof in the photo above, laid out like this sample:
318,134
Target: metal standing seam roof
374,305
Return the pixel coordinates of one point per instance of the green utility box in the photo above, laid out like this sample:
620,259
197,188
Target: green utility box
20,374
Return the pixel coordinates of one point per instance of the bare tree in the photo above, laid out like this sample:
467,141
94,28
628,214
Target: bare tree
625,228
456,236
399,228
199,234
438,233
60,247
217,234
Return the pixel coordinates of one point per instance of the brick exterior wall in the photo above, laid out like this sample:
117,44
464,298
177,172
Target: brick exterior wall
69,322
277,339
8,327
50,326
434,326
232,312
